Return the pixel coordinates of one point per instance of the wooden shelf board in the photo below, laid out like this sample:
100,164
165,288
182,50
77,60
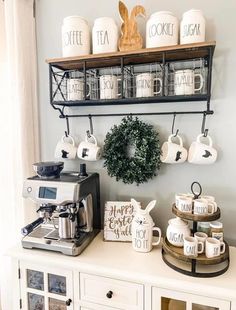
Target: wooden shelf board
147,55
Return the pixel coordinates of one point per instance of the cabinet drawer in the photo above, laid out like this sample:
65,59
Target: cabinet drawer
123,295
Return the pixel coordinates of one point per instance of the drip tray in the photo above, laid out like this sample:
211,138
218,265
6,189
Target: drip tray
40,232
53,235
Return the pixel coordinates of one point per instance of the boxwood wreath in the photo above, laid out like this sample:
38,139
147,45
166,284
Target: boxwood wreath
143,165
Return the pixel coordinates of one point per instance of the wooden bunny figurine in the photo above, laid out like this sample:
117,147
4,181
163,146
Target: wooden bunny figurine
143,227
130,38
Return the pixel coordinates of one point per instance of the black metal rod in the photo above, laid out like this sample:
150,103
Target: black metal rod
163,73
209,77
194,227
122,76
139,114
85,81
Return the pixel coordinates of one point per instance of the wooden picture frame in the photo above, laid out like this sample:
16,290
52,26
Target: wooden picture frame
118,216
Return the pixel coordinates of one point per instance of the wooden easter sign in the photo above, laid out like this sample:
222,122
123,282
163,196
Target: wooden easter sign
118,216
130,38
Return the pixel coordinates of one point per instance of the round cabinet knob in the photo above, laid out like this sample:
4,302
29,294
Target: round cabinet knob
68,302
109,294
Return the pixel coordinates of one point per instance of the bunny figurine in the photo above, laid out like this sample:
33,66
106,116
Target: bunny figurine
130,38
143,227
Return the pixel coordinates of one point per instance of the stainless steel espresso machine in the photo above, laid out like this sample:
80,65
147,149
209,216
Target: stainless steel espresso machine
68,209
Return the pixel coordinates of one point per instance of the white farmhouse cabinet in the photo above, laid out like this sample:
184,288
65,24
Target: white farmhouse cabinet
109,276
169,299
45,288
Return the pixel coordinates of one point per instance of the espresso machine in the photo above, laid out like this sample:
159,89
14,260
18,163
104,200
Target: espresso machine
68,209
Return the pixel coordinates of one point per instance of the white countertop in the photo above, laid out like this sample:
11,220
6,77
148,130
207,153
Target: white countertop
118,260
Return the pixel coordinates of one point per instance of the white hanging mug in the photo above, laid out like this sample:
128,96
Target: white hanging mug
89,151
200,153
173,153
66,148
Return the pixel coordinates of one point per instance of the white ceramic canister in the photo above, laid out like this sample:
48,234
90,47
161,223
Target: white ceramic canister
177,230
105,35
75,36
192,27
162,29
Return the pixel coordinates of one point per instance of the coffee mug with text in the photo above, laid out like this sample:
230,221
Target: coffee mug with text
184,204
184,82
109,86
145,85
75,89
192,246
204,207
214,247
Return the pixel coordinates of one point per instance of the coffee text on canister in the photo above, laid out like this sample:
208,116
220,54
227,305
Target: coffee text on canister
73,37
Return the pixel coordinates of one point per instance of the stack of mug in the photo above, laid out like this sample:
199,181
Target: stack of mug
179,233
87,150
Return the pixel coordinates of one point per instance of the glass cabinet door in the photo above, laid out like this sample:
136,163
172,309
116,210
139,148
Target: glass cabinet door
170,303
163,299
45,288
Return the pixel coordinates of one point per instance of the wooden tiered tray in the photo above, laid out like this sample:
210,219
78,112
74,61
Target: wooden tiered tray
199,266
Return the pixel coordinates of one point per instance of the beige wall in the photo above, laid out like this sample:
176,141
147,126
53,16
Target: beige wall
218,179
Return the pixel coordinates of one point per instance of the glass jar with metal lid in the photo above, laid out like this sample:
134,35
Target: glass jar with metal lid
216,230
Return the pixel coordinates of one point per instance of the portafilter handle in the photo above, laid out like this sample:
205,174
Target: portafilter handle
30,227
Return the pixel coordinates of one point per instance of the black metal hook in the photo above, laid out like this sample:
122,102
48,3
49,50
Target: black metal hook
90,131
173,126
67,132
204,130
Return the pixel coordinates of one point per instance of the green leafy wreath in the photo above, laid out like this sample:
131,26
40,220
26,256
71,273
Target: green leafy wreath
140,167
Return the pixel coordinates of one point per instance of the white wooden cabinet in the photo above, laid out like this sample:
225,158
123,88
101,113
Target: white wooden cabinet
44,288
174,300
109,276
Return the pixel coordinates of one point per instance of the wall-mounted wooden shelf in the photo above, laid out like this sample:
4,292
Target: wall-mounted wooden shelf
126,66
148,55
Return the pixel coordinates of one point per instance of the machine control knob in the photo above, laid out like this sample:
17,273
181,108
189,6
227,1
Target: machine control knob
68,302
29,189
109,294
